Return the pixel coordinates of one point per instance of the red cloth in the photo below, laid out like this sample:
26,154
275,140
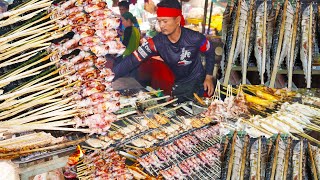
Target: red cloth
171,12
158,73
133,2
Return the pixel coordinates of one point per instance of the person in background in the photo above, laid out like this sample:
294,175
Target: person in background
131,35
123,8
180,48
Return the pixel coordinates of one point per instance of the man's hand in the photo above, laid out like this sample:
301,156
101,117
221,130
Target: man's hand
208,84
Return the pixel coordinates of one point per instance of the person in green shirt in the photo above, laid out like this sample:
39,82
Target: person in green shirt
131,35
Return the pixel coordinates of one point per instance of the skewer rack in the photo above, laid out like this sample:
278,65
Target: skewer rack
43,163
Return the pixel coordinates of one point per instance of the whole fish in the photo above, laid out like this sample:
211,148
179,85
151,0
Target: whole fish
258,159
243,21
272,18
264,157
287,162
280,160
298,161
275,39
228,17
237,159
255,160
295,41
260,47
315,35
232,155
227,155
312,161
226,21
249,39
307,52
316,155
285,49
245,170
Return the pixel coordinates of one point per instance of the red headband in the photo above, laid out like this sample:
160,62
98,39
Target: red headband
170,12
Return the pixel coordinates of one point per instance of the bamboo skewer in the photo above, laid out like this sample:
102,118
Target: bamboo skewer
258,170
43,87
244,157
257,127
53,121
46,148
23,27
32,89
286,163
43,109
26,17
19,128
126,114
278,129
264,41
172,109
293,44
32,45
17,12
34,36
233,44
17,77
247,42
301,161
8,81
23,48
301,133
31,118
313,163
161,105
19,60
50,119
7,48
24,4
28,105
153,99
310,47
277,57
275,158
233,144
34,83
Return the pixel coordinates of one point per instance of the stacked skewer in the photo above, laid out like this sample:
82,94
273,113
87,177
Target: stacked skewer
274,158
81,95
103,164
189,156
273,33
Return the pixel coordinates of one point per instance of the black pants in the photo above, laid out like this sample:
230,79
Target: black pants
184,91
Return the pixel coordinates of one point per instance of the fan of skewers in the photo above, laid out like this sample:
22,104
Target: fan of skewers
194,155
56,74
278,157
244,100
271,35
103,164
142,132
292,119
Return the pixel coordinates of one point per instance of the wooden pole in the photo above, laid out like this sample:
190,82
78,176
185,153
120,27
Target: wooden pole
293,44
310,48
205,17
276,60
247,42
264,41
211,8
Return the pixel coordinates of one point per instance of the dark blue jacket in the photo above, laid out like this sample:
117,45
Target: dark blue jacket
183,57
